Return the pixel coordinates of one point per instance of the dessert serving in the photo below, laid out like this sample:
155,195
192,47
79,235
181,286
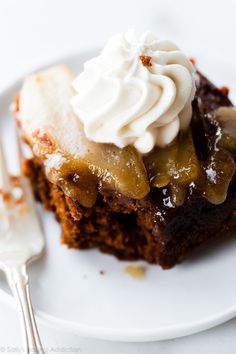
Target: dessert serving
135,155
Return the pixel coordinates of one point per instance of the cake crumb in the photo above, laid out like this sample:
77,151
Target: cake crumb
15,180
193,61
15,105
35,133
146,60
6,196
137,272
42,137
224,90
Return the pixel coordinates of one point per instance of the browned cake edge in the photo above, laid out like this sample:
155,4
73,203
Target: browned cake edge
107,226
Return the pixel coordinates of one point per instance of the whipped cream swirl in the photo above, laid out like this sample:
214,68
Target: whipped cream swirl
136,92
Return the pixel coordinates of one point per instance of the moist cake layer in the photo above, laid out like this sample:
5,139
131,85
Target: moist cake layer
132,229
163,226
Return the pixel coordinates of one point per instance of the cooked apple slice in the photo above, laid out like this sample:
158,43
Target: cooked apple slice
219,170
57,137
226,117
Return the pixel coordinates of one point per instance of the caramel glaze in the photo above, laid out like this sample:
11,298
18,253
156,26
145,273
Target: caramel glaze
200,162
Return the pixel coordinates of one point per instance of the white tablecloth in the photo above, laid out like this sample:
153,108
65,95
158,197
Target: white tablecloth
33,32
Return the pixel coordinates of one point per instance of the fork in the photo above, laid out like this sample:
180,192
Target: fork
21,241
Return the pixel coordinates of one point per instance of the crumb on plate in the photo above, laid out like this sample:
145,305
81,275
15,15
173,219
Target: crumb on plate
137,272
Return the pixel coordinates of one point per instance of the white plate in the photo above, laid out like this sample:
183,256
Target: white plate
69,292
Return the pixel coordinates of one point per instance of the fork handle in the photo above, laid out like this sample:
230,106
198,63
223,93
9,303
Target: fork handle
18,281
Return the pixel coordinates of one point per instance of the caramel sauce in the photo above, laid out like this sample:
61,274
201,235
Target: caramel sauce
76,181
176,167
80,177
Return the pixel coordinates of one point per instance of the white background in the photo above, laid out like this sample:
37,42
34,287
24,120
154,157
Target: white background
33,32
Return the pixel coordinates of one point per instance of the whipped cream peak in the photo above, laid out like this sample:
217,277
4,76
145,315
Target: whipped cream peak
138,92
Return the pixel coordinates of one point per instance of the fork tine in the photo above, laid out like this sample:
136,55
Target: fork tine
5,188
25,184
5,182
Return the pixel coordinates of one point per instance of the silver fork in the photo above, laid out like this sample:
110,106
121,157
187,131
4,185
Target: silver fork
21,241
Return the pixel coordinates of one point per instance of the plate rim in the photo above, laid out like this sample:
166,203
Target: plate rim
117,334
127,335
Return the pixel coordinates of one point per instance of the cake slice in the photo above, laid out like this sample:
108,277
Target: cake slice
156,205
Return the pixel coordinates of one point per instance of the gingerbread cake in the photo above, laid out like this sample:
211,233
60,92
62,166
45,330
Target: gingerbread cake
136,159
